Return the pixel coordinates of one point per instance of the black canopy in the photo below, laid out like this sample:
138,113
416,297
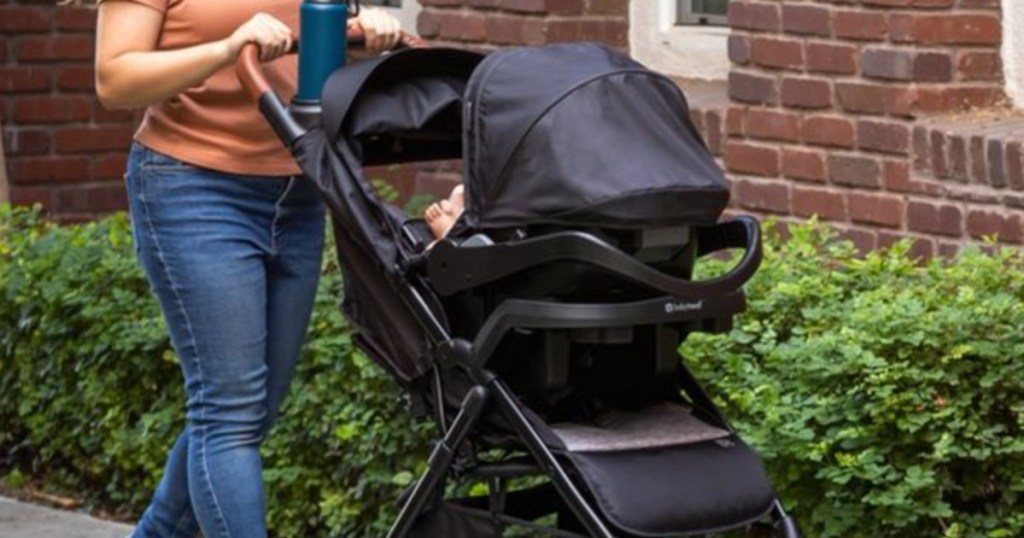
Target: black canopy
401,107
567,134
579,134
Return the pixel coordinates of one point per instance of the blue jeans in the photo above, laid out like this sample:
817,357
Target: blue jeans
234,262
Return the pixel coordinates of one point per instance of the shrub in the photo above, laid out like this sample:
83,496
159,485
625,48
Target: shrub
93,398
886,397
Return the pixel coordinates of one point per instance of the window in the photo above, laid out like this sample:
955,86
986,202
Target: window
702,12
682,38
1013,50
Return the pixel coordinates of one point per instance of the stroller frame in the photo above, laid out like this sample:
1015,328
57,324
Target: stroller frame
719,298
471,357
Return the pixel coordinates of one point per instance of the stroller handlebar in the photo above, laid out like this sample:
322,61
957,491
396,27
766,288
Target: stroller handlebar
254,81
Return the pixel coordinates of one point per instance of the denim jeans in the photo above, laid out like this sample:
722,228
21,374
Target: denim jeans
234,262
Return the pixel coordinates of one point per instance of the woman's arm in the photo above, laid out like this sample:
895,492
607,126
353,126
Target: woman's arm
130,73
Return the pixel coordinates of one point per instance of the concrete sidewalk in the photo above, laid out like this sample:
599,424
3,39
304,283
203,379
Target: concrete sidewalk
21,520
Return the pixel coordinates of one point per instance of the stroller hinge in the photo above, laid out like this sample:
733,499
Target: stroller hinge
440,461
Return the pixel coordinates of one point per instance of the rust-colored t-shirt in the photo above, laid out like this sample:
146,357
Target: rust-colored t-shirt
215,124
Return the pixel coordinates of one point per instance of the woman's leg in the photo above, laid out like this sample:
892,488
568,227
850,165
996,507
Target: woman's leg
204,240
293,272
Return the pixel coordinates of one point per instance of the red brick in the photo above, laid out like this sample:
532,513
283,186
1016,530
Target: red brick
978,170
754,16
20,141
883,137
976,65
92,139
832,58
825,203
933,67
28,196
48,169
750,88
806,93
805,165
771,196
91,199
76,19
714,132
934,218
31,109
23,79
831,131
880,209
773,125
943,99
777,53
734,121
114,166
76,78
463,27
23,20
854,171
803,19
861,26
863,240
1009,227
55,48
887,63
946,29
920,247
751,159
428,24
739,49
1015,165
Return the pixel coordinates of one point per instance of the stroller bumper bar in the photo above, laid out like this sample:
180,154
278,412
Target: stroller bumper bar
525,314
452,268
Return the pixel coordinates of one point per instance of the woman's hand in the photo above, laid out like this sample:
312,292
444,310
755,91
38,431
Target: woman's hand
273,37
383,32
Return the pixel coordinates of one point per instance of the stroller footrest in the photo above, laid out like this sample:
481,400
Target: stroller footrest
662,425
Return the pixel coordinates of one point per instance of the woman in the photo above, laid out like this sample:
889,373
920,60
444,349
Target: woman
230,238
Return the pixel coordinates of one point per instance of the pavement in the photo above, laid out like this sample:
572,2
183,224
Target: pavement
22,520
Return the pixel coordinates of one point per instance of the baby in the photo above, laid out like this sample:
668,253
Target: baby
442,215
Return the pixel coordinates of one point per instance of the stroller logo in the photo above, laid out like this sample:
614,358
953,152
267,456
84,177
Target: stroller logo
672,307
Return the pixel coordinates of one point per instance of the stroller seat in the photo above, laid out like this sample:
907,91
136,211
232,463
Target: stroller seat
633,461
662,425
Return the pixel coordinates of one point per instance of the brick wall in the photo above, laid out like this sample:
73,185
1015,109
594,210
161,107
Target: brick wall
829,105
63,149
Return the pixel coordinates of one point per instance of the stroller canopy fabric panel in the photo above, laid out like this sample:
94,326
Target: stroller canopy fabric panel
579,134
401,107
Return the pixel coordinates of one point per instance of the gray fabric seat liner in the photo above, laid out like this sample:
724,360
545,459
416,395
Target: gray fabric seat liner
662,425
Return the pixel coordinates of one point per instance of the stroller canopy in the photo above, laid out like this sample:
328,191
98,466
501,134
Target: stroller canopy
579,134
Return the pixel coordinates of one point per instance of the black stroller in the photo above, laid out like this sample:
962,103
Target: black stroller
542,333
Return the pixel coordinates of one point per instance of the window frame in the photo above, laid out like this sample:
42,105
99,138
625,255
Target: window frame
683,51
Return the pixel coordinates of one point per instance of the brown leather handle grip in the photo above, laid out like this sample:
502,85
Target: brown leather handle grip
250,72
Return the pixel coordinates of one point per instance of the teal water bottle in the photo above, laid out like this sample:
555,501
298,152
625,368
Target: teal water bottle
323,46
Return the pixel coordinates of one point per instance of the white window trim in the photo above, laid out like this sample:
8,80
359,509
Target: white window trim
1013,50
406,15
695,52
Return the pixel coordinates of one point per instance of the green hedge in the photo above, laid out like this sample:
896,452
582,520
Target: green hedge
886,398
92,396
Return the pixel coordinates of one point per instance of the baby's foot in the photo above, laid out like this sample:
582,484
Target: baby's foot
440,217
